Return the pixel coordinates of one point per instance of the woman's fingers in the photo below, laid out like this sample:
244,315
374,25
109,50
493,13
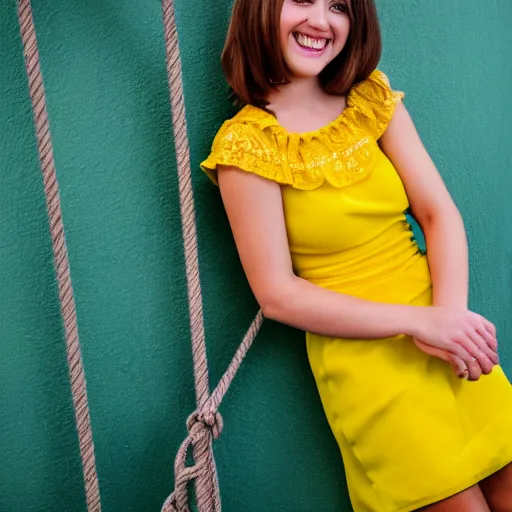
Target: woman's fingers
457,363
474,370
470,370
476,347
489,326
489,337
487,330
465,364
483,345
460,351
459,366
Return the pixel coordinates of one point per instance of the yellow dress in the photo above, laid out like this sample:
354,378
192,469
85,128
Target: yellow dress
410,432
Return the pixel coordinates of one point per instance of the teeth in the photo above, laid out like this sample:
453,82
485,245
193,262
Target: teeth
311,43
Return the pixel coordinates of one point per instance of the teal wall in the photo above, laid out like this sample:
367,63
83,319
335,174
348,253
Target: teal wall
103,63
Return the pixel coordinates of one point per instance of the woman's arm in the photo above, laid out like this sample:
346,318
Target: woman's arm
444,232
433,208
255,211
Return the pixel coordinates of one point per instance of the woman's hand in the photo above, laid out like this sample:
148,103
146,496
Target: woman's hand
465,340
459,366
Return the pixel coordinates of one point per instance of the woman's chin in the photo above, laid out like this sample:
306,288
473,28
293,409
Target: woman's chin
304,72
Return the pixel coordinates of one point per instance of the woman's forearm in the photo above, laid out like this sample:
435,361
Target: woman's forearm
448,259
308,307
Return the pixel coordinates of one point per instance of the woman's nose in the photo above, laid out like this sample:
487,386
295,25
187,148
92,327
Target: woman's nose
318,15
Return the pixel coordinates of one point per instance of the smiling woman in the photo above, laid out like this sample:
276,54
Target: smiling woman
321,174
309,30
255,58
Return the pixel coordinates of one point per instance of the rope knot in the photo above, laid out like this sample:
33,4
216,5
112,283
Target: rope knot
201,421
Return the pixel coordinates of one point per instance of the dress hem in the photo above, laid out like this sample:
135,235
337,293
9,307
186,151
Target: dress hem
456,489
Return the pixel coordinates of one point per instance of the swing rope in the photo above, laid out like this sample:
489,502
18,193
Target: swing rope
205,424
60,254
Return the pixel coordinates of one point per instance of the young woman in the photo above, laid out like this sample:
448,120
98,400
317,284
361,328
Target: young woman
323,174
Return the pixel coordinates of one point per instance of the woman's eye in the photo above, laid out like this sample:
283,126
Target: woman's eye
340,7
336,6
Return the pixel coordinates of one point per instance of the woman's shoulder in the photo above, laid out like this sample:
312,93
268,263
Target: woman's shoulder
250,122
373,102
245,142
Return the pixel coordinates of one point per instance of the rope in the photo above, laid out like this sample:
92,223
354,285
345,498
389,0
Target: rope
205,424
60,254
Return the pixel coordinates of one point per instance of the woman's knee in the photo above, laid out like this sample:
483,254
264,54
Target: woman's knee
470,500
497,490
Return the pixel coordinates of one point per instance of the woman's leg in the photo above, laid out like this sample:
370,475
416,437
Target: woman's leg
470,500
497,490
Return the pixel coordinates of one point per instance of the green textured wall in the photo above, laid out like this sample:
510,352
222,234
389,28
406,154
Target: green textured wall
103,63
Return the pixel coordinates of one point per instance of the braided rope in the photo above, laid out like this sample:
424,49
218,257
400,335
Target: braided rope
205,424
60,254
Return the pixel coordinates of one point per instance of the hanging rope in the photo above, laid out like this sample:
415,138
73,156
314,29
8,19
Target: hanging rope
60,254
205,424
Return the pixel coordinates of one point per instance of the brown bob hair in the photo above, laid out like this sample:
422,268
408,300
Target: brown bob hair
253,60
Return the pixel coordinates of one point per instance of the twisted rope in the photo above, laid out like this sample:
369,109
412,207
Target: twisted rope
205,424
60,255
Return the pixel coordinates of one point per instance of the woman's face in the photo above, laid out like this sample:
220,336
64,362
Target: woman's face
313,33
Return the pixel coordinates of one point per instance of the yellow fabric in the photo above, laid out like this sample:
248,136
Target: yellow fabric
339,153
410,432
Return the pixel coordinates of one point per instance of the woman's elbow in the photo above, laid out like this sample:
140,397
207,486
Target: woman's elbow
272,307
274,303
444,214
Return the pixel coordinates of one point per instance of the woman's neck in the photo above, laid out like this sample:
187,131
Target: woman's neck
303,106
307,91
